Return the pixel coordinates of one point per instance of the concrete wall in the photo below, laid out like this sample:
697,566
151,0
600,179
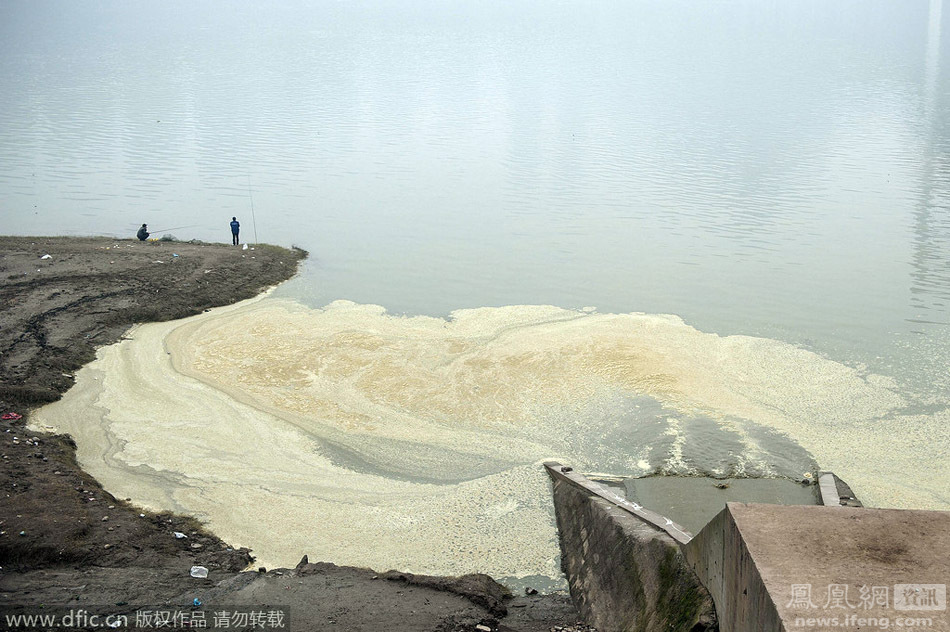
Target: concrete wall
625,574
767,567
721,559
752,557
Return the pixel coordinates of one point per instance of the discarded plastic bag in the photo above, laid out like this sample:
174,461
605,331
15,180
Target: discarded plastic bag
179,535
199,571
11,416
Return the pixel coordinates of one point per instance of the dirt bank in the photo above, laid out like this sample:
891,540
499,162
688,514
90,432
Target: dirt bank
66,541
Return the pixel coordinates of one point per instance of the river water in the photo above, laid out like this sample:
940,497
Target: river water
773,176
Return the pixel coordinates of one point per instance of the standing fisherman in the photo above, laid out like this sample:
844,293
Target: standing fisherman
235,229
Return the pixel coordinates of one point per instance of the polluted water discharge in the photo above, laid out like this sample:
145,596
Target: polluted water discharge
415,443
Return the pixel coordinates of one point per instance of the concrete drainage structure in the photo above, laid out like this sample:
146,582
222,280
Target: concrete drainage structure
623,562
754,567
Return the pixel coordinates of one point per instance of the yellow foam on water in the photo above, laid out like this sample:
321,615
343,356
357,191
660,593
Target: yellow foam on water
362,438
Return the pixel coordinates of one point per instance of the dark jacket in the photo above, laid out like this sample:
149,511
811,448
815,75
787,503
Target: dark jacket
142,234
235,227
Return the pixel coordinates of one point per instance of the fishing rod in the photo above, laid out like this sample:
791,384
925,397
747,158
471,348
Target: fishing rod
253,219
159,230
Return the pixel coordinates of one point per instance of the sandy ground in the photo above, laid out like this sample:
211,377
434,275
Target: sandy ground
64,541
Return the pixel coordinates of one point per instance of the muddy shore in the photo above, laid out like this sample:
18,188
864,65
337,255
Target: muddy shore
64,541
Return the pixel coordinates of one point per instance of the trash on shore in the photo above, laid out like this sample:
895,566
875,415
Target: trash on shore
46,257
11,416
179,535
199,571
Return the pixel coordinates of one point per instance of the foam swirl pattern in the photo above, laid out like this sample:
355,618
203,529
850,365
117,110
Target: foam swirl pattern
359,437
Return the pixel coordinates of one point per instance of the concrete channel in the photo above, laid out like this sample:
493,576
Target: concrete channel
809,558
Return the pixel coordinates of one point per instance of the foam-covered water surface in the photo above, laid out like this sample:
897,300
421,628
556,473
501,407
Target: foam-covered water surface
415,442
775,169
